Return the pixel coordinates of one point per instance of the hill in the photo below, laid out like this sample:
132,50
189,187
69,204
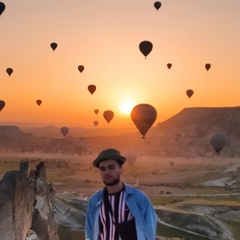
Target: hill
188,132
54,132
185,134
224,119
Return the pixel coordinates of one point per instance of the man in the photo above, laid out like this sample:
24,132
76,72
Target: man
118,211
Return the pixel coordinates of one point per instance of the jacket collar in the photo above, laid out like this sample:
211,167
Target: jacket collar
100,195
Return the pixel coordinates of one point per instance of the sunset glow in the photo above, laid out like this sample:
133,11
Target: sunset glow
104,39
126,107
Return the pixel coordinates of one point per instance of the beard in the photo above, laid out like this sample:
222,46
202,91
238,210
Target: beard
114,182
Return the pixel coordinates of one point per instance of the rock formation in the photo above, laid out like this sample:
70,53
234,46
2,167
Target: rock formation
186,134
10,132
25,205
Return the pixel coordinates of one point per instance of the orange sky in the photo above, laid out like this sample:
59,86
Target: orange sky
104,37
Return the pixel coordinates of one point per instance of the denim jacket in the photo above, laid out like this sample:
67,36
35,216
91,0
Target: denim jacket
138,204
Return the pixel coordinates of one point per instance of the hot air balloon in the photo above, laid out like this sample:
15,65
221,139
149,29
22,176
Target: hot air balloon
145,47
64,131
96,111
53,45
157,5
9,71
108,115
92,88
95,123
80,68
189,92
218,141
143,116
2,8
207,66
131,157
169,65
39,102
2,105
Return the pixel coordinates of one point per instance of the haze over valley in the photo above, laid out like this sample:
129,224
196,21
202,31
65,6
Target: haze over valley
190,185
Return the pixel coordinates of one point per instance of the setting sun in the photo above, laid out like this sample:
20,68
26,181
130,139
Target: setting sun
107,71
126,107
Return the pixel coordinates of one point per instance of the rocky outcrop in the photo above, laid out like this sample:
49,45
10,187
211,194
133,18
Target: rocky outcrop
203,223
25,205
10,132
188,133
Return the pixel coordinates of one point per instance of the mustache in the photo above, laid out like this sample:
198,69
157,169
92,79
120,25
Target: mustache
116,181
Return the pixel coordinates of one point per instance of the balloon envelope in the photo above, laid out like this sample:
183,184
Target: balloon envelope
96,111
157,5
143,116
92,88
9,71
80,68
189,92
2,105
108,115
169,65
95,123
131,157
53,45
145,47
2,7
39,102
207,66
64,131
218,141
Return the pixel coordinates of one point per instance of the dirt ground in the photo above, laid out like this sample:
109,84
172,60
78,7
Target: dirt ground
154,175
171,184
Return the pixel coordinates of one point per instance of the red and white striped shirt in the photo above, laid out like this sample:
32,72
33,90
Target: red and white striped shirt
112,213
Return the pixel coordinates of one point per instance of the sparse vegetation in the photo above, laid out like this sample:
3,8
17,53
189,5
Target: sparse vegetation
234,226
168,187
173,233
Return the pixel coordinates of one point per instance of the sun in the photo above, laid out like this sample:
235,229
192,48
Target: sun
126,107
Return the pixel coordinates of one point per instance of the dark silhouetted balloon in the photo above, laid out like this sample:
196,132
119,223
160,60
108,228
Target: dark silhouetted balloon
53,45
131,157
207,66
143,116
96,111
108,115
189,92
39,102
80,68
92,88
157,5
218,141
2,8
2,105
95,123
64,131
145,47
169,65
9,71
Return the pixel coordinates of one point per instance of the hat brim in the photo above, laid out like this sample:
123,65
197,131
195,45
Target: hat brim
108,157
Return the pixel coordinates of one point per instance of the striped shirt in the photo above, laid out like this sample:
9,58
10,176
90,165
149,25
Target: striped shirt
112,213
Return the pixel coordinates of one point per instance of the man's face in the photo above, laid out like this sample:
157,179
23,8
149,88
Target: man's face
110,172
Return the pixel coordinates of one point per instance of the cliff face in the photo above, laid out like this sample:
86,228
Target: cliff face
25,205
209,120
188,133
10,132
